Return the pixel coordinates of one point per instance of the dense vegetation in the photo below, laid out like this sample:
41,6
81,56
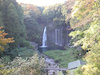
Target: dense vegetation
54,15
33,23
3,40
21,24
63,57
86,23
19,66
13,25
17,55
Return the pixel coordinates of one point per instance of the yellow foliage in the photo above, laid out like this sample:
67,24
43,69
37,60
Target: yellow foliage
86,20
4,41
84,12
6,71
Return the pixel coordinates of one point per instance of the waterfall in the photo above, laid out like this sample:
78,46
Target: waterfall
58,37
44,40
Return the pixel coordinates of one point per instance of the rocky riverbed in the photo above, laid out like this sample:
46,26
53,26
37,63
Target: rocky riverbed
52,68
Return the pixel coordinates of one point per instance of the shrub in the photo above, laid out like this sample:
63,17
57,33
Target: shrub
26,44
78,71
22,52
63,57
6,59
79,53
31,66
5,69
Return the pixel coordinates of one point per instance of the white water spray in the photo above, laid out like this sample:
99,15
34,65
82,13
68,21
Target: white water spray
44,40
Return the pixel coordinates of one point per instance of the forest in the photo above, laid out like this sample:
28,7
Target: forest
44,40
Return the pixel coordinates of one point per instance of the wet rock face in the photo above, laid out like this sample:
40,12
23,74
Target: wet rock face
55,38
58,37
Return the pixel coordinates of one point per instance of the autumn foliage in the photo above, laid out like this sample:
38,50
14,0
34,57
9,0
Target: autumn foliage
3,40
86,24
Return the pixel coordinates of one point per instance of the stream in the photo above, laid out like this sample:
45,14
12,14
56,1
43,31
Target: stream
52,68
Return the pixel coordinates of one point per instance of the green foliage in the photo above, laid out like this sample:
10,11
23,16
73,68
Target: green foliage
1,19
78,71
33,66
68,72
15,29
54,15
32,20
3,40
6,71
33,29
26,53
22,52
92,58
79,53
6,59
86,23
14,25
26,43
63,57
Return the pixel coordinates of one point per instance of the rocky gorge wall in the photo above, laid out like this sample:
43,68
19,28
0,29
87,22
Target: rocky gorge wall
58,38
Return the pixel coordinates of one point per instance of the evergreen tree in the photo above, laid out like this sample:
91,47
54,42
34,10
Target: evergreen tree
12,24
13,21
32,21
1,19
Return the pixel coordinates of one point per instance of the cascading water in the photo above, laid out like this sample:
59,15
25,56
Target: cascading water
44,40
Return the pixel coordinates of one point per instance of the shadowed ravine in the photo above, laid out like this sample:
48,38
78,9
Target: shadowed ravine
52,68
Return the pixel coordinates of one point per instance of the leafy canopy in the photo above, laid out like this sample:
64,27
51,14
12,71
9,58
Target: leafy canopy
3,40
86,24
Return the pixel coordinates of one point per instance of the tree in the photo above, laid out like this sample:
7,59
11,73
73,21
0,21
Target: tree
1,19
13,21
32,21
3,40
86,24
54,15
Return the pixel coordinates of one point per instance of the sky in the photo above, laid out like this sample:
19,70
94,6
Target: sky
41,2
